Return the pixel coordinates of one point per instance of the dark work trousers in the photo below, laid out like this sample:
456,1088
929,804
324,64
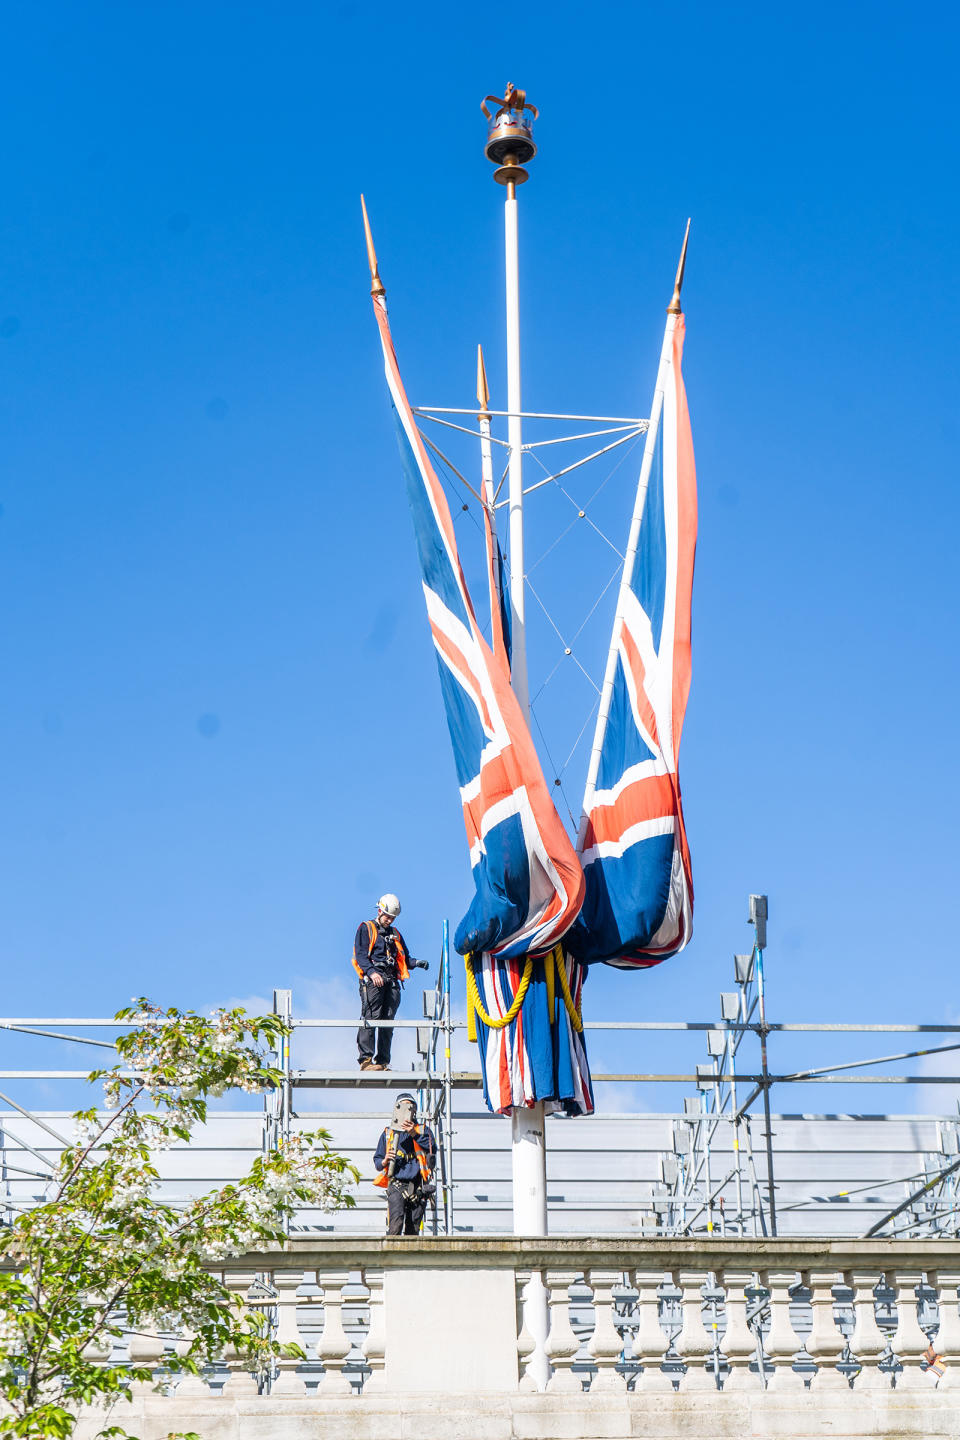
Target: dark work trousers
406,1205
377,1003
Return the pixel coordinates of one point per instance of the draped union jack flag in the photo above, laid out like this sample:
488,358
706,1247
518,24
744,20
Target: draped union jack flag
638,907
528,880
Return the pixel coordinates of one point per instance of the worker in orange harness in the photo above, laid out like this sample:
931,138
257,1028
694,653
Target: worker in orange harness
382,961
404,1159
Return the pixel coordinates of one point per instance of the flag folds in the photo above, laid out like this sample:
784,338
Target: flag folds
638,907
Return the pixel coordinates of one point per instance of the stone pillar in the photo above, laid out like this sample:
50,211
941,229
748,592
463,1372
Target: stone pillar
334,1346
739,1341
606,1342
526,1344
826,1343
868,1341
287,1381
781,1343
947,1343
374,1346
910,1341
694,1342
188,1384
241,1384
649,1342
562,1344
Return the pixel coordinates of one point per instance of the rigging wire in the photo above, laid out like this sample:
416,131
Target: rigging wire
558,782
567,649
452,476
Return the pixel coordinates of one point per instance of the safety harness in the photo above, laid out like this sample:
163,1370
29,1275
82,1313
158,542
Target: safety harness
383,1180
402,969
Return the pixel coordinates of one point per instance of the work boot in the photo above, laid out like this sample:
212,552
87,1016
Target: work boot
368,1065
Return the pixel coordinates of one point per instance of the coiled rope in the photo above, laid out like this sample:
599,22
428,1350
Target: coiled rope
475,1004
554,964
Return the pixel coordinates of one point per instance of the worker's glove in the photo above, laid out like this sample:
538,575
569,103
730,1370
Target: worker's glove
418,964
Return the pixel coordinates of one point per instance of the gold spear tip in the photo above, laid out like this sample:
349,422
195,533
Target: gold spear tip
483,390
376,286
674,308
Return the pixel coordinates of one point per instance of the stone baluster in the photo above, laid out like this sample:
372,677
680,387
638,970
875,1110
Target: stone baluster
375,1345
947,1343
868,1342
146,1349
650,1343
526,1344
910,1341
695,1343
739,1341
826,1343
781,1342
241,1383
334,1345
286,1381
562,1344
606,1342
188,1384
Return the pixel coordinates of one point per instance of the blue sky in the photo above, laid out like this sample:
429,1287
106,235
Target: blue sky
222,734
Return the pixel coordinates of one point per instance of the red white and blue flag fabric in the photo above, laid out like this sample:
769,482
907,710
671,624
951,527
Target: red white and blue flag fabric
540,1055
527,877
638,907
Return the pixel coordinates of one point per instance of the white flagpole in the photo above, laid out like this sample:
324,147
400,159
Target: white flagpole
656,412
515,440
528,1121
509,146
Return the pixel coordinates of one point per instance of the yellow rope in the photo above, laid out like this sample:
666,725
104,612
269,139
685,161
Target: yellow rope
476,1004
548,975
471,1012
575,1018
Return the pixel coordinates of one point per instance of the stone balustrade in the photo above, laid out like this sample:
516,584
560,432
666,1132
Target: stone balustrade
771,1337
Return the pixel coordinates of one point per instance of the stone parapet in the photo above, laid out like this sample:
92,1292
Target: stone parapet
717,1337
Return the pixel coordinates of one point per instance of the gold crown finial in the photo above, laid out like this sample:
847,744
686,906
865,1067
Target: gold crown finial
376,284
675,308
483,390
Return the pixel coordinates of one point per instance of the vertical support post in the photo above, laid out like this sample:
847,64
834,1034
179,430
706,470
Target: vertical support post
447,1080
758,919
283,1007
730,1062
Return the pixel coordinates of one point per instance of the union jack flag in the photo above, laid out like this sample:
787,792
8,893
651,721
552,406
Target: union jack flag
638,907
528,880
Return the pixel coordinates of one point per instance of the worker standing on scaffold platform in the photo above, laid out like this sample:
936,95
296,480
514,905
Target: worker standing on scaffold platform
382,961
405,1156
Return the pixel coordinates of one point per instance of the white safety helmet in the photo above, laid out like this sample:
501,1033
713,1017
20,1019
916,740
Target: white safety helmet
389,905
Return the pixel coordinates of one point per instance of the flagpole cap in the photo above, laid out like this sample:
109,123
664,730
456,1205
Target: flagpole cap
510,134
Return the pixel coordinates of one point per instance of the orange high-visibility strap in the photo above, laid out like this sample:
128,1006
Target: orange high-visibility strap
402,969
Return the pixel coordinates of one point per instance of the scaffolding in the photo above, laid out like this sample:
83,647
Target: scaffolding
716,1165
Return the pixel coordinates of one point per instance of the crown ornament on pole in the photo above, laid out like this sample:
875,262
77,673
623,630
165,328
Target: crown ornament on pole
510,134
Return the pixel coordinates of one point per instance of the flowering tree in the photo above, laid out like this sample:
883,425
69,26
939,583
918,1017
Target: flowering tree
103,1256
